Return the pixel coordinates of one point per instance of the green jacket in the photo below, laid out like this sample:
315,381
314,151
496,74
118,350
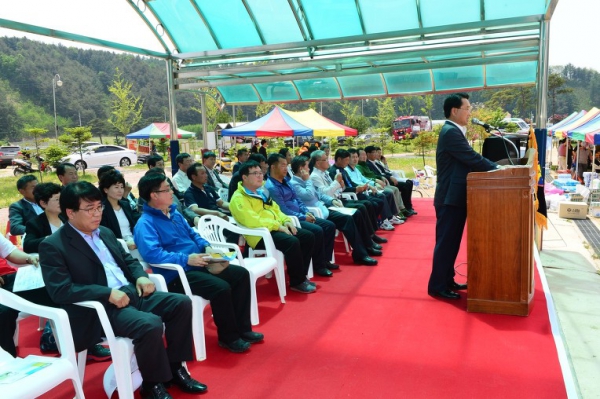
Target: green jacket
252,211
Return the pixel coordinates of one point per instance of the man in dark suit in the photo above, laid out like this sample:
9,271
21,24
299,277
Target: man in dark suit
25,209
209,160
405,187
455,158
242,156
84,261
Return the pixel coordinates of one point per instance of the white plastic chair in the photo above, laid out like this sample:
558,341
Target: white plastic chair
60,369
430,175
198,305
212,228
421,176
123,374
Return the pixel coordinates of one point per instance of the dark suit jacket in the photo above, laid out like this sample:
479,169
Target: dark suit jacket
350,187
211,182
19,213
379,171
109,218
37,230
73,272
455,158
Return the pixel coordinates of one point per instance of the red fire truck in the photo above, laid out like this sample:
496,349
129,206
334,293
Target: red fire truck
408,127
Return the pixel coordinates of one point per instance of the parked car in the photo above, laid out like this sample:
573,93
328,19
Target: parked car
99,155
7,153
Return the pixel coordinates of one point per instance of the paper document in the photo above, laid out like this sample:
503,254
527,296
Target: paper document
345,211
28,278
18,368
217,255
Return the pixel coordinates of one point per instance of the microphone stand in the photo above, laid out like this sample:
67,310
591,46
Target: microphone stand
500,134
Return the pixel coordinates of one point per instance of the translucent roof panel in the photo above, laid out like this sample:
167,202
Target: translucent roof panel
332,18
264,10
511,73
315,89
408,82
438,13
277,91
470,77
361,86
381,16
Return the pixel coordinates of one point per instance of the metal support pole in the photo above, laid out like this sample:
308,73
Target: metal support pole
174,143
204,121
54,83
542,83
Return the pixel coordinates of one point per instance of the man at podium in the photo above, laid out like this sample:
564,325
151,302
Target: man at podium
455,158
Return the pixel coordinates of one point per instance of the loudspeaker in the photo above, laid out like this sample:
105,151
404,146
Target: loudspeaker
496,148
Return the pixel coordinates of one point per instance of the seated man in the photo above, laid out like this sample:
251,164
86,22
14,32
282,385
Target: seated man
356,233
242,156
209,160
236,178
405,187
342,159
84,261
180,179
162,236
357,177
202,198
323,183
323,230
190,217
25,209
156,161
67,173
380,182
252,207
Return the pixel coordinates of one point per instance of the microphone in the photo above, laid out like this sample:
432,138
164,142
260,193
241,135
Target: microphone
476,121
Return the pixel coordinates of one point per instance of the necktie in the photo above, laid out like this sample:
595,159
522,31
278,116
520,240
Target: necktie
327,178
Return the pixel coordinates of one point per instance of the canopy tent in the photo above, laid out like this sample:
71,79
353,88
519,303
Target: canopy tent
159,131
587,131
564,130
321,126
565,121
274,124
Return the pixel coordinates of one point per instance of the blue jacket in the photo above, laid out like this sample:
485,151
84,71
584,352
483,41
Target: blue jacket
166,240
286,198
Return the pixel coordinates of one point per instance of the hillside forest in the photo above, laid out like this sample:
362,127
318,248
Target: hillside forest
86,96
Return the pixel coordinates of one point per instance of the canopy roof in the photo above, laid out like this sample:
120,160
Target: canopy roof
282,123
159,131
306,50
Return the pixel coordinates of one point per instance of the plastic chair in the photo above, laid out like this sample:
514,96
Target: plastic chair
123,374
317,212
212,229
60,369
430,175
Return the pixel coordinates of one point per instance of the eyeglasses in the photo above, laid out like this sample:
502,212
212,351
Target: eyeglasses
322,160
93,211
256,173
467,109
162,191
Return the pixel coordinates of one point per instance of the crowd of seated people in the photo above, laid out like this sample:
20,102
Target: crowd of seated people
75,226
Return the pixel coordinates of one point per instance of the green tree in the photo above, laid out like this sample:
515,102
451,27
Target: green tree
424,142
556,83
406,106
385,114
126,109
54,153
76,136
36,134
427,107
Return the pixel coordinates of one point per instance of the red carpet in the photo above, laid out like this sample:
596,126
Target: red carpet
374,332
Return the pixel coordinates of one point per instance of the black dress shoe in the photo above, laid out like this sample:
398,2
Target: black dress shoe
455,286
98,353
183,380
447,294
325,272
237,346
253,337
379,240
376,246
332,266
157,391
366,261
374,252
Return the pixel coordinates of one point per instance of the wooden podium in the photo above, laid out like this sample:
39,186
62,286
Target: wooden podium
500,236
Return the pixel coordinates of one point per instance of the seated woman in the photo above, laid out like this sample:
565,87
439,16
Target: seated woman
117,215
47,196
